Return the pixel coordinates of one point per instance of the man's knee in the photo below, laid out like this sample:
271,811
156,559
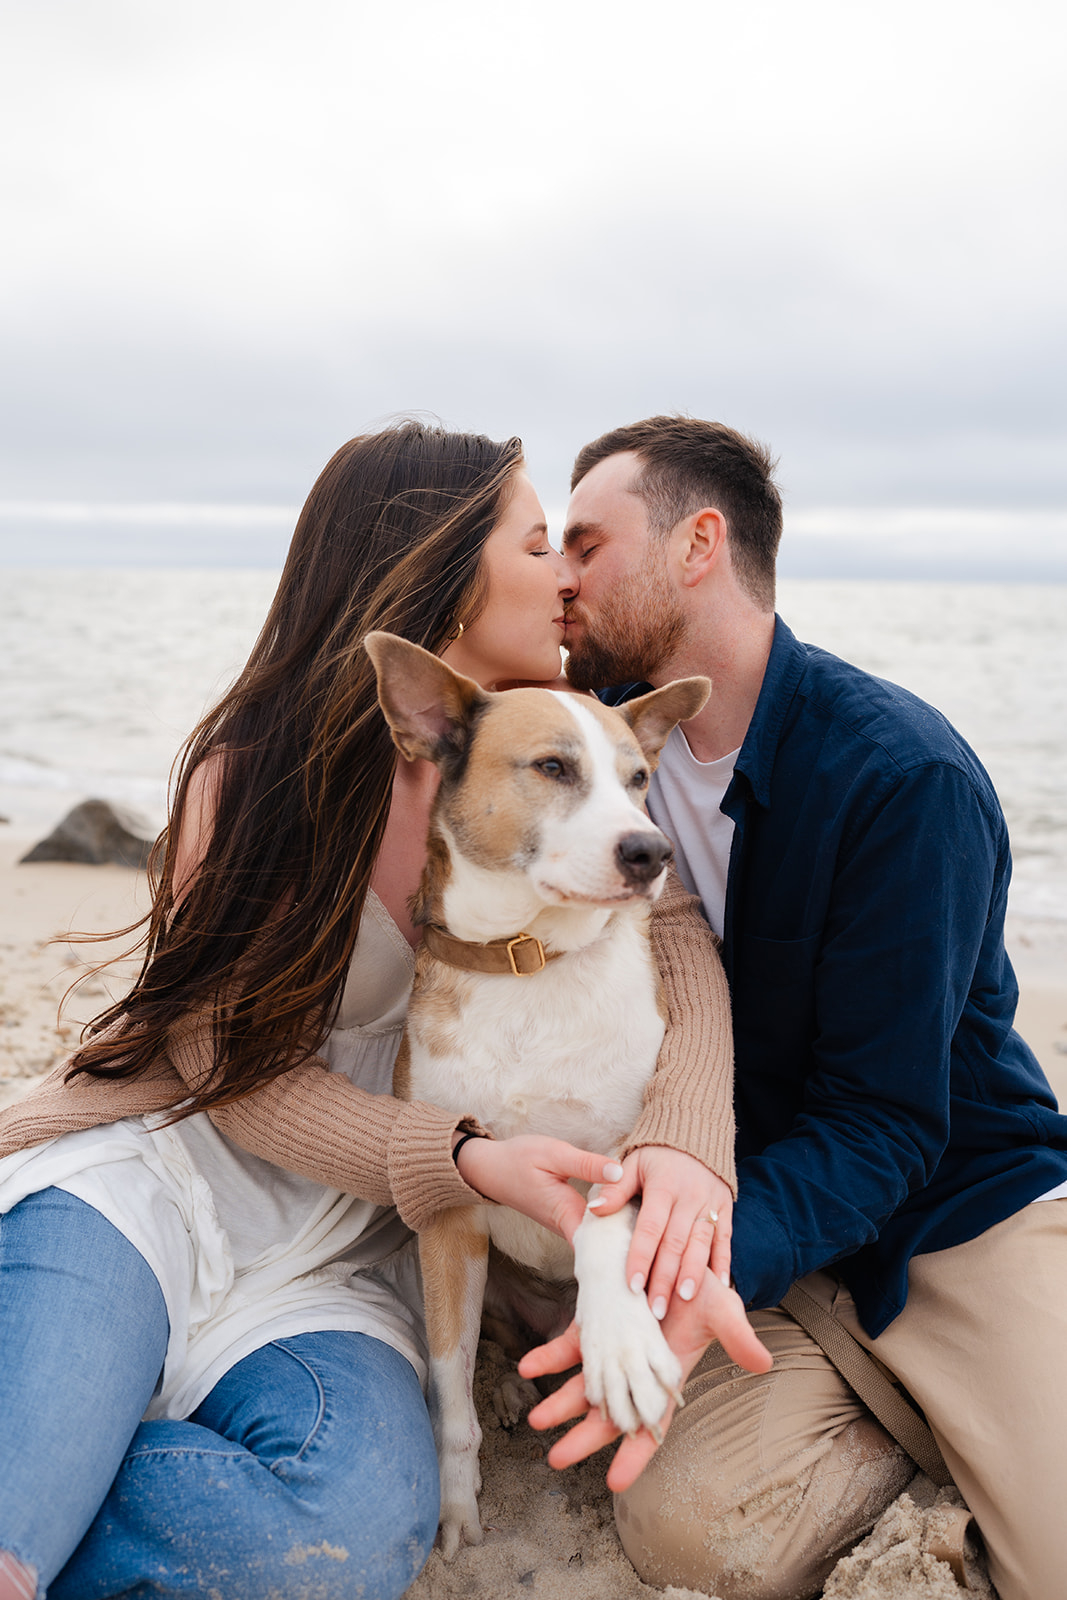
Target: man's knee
775,1538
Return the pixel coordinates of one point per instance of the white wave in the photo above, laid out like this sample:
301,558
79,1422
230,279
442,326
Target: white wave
22,772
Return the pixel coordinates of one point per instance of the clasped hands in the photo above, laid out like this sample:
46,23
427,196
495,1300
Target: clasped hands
677,1251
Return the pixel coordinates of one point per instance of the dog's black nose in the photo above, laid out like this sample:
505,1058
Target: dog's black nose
642,856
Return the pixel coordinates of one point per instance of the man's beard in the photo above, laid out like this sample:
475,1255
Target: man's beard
637,628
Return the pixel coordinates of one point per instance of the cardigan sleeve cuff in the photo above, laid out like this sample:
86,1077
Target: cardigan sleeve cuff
316,1122
423,1178
679,1128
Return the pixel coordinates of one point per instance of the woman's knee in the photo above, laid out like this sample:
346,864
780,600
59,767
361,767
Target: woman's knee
391,1508
309,1469
200,1514
370,1534
365,1475
409,1512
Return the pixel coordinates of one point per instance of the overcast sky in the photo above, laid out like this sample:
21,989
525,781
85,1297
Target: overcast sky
237,233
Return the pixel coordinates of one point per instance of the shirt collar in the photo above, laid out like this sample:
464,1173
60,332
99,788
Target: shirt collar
785,668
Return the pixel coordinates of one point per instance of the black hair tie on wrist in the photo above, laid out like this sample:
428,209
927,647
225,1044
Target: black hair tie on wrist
457,1148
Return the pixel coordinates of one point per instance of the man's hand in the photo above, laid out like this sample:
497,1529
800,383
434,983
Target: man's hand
675,1238
715,1312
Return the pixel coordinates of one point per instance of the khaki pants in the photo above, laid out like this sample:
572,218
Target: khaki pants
764,1482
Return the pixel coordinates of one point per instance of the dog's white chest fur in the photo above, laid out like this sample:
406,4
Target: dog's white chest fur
567,1052
564,1052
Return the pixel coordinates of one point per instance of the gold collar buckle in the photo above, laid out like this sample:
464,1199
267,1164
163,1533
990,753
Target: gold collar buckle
519,940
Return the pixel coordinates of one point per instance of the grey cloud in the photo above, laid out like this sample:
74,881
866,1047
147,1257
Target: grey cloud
889,317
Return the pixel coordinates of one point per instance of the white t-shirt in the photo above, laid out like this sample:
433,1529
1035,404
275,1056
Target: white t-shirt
684,799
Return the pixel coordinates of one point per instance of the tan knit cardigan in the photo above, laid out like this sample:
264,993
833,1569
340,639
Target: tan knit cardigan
317,1123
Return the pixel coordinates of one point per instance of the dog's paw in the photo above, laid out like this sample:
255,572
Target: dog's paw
512,1398
459,1526
460,1523
629,1369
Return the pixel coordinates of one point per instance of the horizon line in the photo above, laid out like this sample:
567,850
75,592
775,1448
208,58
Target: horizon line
806,517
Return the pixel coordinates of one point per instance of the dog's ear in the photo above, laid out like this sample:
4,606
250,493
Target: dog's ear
428,706
652,717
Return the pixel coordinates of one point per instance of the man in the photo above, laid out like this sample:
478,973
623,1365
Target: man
892,1130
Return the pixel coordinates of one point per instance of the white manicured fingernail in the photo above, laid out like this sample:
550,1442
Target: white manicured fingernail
592,1204
659,1308
637,1282
612,1172
688,1289
724,1277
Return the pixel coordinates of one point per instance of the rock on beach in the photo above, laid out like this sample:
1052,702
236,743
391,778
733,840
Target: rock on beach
96,833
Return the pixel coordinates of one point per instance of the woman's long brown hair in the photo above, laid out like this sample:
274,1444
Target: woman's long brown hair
391,537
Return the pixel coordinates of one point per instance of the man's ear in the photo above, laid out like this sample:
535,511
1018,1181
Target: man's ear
654,715
704,548
428,706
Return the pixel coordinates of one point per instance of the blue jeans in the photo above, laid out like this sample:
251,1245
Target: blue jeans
309,1470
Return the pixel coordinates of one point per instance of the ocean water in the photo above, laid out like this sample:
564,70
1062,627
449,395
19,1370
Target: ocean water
104,672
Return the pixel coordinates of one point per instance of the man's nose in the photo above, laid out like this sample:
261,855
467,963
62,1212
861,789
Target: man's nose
566,572
569,578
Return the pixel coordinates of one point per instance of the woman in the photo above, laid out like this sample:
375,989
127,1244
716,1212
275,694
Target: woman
207,1212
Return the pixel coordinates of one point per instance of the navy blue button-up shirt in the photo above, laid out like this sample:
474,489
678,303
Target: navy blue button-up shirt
885,1106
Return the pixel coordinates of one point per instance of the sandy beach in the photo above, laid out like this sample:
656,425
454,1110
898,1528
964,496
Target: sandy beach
547,1533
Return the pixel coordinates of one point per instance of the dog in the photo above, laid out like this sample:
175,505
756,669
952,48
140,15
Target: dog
536,1005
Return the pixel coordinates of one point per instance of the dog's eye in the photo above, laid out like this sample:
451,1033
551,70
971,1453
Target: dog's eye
552,767
640,779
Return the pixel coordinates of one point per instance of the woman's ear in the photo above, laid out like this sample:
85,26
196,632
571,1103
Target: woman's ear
427,705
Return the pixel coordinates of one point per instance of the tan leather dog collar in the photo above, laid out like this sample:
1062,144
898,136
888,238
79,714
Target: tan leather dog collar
520,956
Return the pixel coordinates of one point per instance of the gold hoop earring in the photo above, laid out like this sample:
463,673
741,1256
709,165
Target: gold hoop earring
457,635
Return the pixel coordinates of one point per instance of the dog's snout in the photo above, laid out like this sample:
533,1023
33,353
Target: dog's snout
641,857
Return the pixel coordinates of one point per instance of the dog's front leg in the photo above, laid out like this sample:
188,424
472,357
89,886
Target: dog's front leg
629,1369
453,1254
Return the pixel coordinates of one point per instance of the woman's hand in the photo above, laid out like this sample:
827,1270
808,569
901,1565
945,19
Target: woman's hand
715,1312
675,1239
531,1174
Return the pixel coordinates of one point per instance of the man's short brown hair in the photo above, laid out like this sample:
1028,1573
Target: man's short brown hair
688,464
